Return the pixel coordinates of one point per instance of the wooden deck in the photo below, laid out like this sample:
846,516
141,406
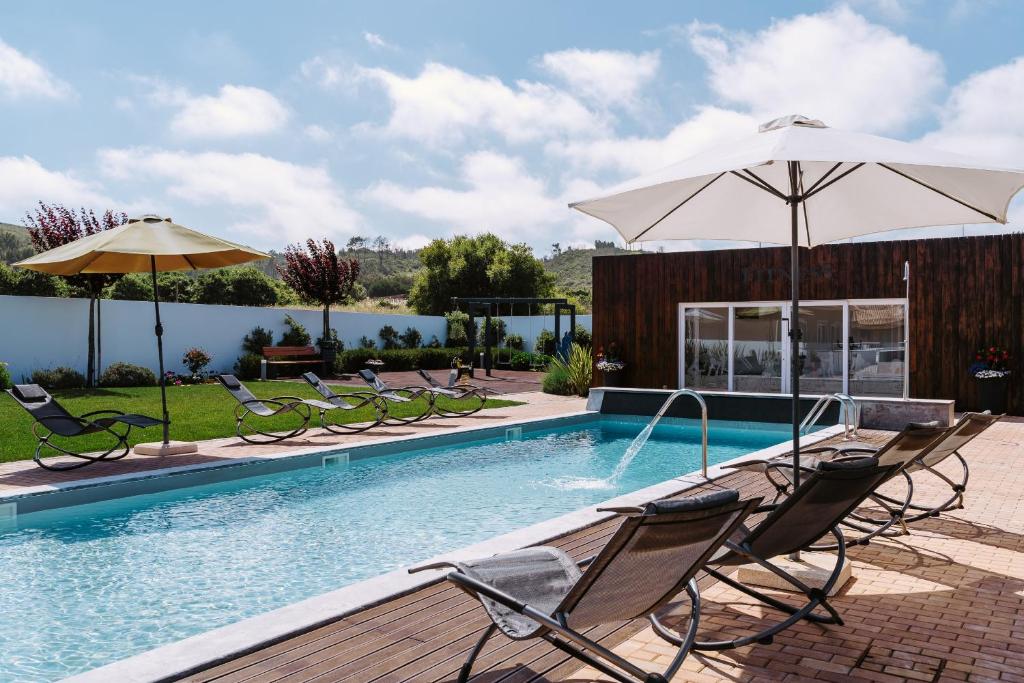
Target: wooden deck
426,635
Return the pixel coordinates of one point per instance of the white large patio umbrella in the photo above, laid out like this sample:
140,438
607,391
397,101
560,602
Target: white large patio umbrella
800,182
145,245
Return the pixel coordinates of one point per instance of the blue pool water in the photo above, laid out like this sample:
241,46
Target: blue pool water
87,585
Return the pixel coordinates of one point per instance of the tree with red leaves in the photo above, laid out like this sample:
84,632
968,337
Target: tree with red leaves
53,226
319,277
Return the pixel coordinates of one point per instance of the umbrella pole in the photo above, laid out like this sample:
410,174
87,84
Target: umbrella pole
160,353
794,322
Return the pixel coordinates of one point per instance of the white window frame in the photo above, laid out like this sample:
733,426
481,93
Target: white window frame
786,307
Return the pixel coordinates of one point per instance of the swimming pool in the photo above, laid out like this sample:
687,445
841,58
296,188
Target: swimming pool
90,584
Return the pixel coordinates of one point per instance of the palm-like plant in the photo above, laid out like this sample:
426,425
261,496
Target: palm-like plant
578,368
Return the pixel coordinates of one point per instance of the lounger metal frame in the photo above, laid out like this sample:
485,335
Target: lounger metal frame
400,395
363,399
455,392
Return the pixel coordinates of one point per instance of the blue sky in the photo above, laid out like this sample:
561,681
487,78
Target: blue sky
270,122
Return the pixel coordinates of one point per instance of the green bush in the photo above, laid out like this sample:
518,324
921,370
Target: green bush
411,338
59,378
127,375
18,282
248,366
521,360
257,338
399,359
575,373
583,337
497,332
556,381
458,329
389,337
5,377
297,335
546,343
514,341
367,343
434,342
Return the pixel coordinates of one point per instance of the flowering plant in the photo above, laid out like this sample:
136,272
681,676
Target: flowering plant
991,363
196,360
609,361
172,379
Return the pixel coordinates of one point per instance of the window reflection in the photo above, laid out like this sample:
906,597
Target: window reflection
877,349
757,349
821,349
707,348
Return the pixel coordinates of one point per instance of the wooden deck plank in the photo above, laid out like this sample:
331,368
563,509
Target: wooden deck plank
426,635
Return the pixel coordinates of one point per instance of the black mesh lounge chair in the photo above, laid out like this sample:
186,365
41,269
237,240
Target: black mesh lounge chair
541,592
468,395
814,510
400,395
249,406
916,441
966,429
337,401
54,425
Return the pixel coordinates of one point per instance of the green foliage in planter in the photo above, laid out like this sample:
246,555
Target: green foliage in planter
583,337
521,360
578,370
257,338
367,343
515,341
458,329
248,366
59,378
412,338
546,343
127,375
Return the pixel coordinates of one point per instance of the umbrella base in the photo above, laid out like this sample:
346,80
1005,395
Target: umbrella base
161,448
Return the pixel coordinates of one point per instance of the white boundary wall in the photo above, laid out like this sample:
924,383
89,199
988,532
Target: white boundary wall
42,332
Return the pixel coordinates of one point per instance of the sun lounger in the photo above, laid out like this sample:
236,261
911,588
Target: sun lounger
814,510
54,425
540,592
400,395
250,407
473,397
339,403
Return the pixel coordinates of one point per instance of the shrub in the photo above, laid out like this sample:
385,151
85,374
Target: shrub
497,332
248,287
546,343
399,359
367,343
5,377
521,360
338,344
257,338
297,335
458,328
389,336
19,282
576,372
514,341
583,337
248,366
434,342
411,338
59,378
556,381
196,360
127,375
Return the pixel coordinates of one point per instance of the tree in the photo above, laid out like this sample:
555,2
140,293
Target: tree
14,248
381,245
476,266
556,249
53,226
355,242
319,277
18,282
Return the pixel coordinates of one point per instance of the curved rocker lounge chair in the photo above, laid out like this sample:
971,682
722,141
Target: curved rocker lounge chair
473,397
52,420
541,592
250,406
815,509
916,441
363,398
400,395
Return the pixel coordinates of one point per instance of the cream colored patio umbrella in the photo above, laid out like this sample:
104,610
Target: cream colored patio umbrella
144,245
798,182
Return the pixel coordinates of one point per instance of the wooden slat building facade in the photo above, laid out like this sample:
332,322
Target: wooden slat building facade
964,293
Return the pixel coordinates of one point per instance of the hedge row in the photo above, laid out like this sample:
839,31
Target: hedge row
427,358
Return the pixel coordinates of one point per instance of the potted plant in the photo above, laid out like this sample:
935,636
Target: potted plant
992,376
610,365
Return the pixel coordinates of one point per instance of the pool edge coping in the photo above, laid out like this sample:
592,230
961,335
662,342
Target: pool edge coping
180,658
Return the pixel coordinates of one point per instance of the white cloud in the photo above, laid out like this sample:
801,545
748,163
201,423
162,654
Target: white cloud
443,103
608,77
24,181
375,40
984,116
638,155
317,133
411,242
331,74
276,201
835,66
21,77
893,10
236,110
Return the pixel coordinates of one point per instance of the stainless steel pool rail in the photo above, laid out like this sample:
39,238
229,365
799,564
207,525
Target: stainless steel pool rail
703,422
850,409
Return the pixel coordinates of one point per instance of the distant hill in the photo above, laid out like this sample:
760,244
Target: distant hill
14,243
573,268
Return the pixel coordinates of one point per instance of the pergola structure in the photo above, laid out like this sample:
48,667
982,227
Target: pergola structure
490,307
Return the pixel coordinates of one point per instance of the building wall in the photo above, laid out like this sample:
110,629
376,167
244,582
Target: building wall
964,293
41,332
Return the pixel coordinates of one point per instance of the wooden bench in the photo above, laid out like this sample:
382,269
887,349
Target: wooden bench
291,355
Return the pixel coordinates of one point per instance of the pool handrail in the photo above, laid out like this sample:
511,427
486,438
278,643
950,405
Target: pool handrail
849,406
703,422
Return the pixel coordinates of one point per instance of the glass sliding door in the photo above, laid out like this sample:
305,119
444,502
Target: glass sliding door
757,349
706,353
821,349
877,349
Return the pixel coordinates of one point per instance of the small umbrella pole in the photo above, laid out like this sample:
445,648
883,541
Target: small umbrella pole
794,316
160,352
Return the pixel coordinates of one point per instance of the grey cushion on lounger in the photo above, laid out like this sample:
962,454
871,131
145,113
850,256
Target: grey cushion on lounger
29,393
694,503
231,382
851,464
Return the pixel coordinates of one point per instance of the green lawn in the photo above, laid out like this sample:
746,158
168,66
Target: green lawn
198,412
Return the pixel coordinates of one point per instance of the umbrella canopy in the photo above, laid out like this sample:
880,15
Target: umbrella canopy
146,244
136,245
851,184
800,182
